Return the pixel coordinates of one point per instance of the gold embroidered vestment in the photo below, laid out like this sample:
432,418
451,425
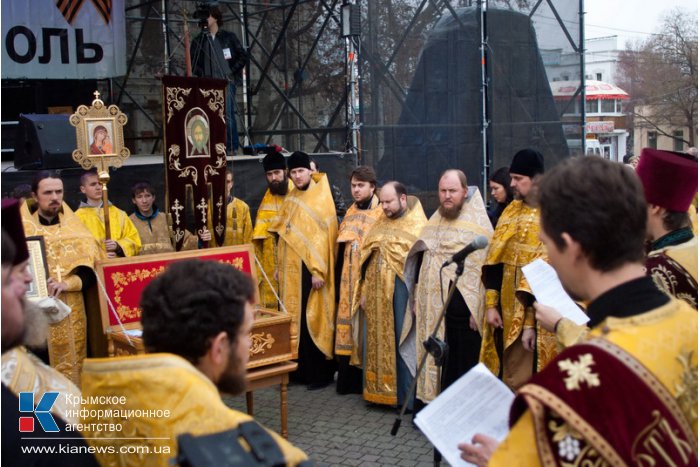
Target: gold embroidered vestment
69,244
664,341
384,250
265,244
439,240
157,238
307,227
515,243
239,227
149,385
352,231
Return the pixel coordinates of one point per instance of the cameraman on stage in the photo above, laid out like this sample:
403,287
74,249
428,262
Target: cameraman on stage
218,54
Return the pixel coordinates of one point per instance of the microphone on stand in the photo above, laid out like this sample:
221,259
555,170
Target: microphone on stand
477,244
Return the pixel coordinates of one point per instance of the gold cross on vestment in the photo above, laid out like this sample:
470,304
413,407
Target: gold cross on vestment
58,270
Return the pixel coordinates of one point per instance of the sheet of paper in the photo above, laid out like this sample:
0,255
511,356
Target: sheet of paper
547,288
478,402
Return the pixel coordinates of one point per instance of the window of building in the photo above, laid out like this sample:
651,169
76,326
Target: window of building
592,106
651,139
678,140
599,76
607,105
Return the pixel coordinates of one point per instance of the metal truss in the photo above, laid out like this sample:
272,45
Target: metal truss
270,30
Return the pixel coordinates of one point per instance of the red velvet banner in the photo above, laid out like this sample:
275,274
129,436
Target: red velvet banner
124,282
194,114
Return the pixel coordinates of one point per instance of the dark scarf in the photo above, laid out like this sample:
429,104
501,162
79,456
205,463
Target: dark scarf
148,218
672,238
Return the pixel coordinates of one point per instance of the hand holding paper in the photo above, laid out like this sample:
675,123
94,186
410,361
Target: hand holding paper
548,290
477,403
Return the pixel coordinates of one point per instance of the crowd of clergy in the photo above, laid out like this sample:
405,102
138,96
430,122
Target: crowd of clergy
368,284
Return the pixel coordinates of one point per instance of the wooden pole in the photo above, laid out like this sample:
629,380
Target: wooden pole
103,177
188,58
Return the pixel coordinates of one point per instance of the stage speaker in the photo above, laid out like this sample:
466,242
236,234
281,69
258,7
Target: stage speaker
44,142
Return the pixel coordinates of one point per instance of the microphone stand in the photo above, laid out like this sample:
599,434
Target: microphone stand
439,350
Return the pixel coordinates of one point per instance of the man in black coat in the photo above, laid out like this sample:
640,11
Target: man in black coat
219,54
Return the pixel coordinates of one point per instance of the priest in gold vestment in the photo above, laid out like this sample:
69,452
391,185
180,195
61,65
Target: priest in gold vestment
379,305
358,219
307,228
22,371
511,337
460,219
239,227
264,241
197,317
71,252
627,395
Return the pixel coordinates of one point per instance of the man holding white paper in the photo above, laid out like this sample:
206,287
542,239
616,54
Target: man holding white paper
513,346
640,340
670,182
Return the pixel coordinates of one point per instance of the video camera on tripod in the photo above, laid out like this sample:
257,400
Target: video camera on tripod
202,11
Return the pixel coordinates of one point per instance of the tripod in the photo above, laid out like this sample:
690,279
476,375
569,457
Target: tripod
209,61
439,350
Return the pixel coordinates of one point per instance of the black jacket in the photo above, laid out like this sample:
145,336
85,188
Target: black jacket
202,64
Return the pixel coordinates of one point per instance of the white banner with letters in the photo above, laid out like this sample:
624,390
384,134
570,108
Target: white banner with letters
63,39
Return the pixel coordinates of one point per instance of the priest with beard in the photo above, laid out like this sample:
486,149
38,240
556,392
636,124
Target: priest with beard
196,317
264,241
381,296
460,218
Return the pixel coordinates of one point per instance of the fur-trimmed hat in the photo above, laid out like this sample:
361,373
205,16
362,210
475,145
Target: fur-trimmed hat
670,179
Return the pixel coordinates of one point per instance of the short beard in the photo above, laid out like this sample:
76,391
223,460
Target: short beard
36,325
451,213
278,188
233,380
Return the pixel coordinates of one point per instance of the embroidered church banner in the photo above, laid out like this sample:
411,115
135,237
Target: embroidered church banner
194,116
125,278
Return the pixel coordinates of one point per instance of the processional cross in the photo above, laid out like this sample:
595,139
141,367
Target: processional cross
88,123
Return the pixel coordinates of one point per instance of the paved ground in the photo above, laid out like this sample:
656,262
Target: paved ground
342,430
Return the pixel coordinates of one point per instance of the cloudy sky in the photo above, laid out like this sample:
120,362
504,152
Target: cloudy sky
629,19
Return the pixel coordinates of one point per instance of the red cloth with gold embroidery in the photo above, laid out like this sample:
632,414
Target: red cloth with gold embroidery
124,283
597,401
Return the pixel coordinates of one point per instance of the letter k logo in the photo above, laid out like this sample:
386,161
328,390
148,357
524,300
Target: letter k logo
42,411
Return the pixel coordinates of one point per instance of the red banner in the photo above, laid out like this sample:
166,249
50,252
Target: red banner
124,280
194,111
